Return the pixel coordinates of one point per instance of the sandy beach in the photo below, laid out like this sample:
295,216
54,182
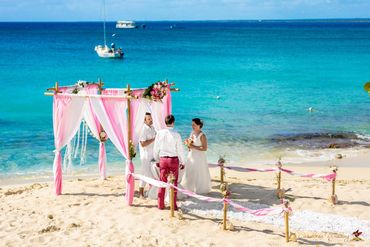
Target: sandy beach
93,212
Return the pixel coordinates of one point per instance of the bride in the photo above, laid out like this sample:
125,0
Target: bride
197,177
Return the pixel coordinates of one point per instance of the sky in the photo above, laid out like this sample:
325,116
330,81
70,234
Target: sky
91,10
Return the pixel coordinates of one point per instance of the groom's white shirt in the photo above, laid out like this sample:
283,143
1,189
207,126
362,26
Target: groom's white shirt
168,143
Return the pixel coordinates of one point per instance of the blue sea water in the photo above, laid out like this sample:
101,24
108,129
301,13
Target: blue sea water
251,83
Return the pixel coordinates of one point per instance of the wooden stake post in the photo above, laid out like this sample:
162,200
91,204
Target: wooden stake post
333,197
286,218
171,179
55,89
221,163
100,85
279,181
128,92
279,191
225,193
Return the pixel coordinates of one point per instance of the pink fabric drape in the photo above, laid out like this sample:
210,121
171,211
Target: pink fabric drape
137,115
112,114
102,161
160,110
57,169
130,181
167,103
67,116
95,127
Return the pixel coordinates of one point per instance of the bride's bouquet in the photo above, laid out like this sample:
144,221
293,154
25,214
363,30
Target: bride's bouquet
188,142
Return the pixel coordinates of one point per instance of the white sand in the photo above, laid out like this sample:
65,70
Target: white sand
92,212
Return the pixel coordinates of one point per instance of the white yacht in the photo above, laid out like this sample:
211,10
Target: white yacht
126,24
108,52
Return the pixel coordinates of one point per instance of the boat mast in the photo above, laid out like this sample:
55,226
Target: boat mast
105,39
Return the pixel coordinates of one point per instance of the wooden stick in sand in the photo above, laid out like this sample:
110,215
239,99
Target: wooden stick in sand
225,194
289,236
171,179
286,218
334,198
279,191
221,163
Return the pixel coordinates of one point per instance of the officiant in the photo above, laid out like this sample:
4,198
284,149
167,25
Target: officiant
147,139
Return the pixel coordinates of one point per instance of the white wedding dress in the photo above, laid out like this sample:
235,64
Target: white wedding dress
197,177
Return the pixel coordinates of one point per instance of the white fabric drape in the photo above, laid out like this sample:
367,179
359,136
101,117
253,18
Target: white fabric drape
139,120
157,114
67,119
112,116
67,116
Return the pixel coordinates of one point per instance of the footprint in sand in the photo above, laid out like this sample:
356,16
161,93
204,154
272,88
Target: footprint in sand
13,192
74,225
51,228
36,186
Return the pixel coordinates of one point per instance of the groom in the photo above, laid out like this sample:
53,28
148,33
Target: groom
169,155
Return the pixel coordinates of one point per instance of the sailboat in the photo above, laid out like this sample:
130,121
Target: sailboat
105,51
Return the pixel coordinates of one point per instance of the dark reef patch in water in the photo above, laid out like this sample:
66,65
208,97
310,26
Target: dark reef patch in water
321,140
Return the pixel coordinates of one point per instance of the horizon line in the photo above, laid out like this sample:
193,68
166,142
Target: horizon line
367,19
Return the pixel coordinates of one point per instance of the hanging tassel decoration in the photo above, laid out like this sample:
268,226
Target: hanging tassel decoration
67,161
77,143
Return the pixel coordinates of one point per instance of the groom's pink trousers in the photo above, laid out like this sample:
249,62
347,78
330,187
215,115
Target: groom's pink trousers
167,165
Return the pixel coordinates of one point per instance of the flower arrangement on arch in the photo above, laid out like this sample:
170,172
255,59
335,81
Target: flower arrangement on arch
132,150
157,91
79,85
103,136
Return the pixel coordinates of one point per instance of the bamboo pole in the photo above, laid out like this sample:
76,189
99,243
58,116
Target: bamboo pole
100,85
171,179
221,163
55,89
225,194
279,191
279,181
128,120
222,173
92,95
333,187
286,217
333,197
225,215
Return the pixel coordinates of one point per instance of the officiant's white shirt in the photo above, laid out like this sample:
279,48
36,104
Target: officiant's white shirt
147,133
168,143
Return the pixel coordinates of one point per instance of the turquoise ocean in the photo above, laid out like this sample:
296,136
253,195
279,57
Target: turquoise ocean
252,83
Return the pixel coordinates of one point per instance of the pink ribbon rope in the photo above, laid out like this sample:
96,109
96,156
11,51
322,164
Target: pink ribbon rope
257,212
328,177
